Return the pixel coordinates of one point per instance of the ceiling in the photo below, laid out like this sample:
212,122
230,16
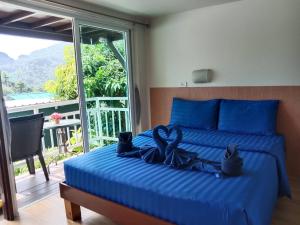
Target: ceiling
24,22
18,21
152,8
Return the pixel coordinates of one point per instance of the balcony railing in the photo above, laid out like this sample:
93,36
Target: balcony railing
106,116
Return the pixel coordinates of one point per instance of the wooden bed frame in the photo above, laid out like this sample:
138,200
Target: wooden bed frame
118,213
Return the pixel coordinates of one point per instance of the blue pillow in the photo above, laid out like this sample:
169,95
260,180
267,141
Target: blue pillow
195,114
249,117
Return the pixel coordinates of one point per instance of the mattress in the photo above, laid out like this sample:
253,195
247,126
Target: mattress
187,197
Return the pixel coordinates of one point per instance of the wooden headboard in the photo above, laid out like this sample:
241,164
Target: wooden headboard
288,119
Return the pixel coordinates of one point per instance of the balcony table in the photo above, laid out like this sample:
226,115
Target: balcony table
61,134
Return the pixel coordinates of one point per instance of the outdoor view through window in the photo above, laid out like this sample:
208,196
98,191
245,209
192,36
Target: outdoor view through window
63,97
39,76
27,65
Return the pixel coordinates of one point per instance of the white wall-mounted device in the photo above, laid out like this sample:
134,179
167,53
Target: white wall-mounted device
202,76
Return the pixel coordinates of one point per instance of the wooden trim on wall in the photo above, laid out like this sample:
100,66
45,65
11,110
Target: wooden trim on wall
288,119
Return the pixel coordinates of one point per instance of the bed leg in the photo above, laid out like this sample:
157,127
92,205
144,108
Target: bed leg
72,211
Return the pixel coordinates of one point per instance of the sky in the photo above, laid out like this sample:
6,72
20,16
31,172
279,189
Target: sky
14,46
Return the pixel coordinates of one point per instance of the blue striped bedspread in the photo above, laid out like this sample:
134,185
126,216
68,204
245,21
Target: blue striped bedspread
188,197
272,145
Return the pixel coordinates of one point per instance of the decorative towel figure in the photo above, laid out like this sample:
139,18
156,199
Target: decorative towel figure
149,154
125,147
159,141
125,142
232,164
169,153
156,154
176,157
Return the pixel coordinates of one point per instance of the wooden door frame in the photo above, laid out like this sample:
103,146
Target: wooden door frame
7,181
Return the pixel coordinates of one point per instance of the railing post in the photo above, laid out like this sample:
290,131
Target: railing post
113,123
106,124
126,120
75,130
35,111
51,138
95,114
119,120
99,120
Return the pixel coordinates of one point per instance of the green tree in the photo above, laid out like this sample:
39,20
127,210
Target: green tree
4,78
20,87
6,84
64,86
103,73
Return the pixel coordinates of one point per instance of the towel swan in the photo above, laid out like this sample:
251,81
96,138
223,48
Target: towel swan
176,157
169,153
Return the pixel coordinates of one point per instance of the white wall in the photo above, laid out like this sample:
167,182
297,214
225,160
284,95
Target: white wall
249,42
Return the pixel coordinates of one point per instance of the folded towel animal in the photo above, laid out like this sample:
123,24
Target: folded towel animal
156,154
151,154
169,153
176,157
159,141
180,158
125,143
148,153
125,147
232,164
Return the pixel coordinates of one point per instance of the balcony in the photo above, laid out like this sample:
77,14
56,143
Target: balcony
106,117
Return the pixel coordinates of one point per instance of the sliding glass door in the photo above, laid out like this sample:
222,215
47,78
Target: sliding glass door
104,82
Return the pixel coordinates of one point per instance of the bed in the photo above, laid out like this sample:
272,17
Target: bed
130,191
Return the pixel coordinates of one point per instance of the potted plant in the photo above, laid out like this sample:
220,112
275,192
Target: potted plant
56,117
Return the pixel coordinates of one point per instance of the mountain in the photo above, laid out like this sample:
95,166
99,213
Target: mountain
4,58
36,68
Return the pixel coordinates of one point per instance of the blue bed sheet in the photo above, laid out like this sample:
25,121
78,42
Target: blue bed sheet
183,197
272,145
